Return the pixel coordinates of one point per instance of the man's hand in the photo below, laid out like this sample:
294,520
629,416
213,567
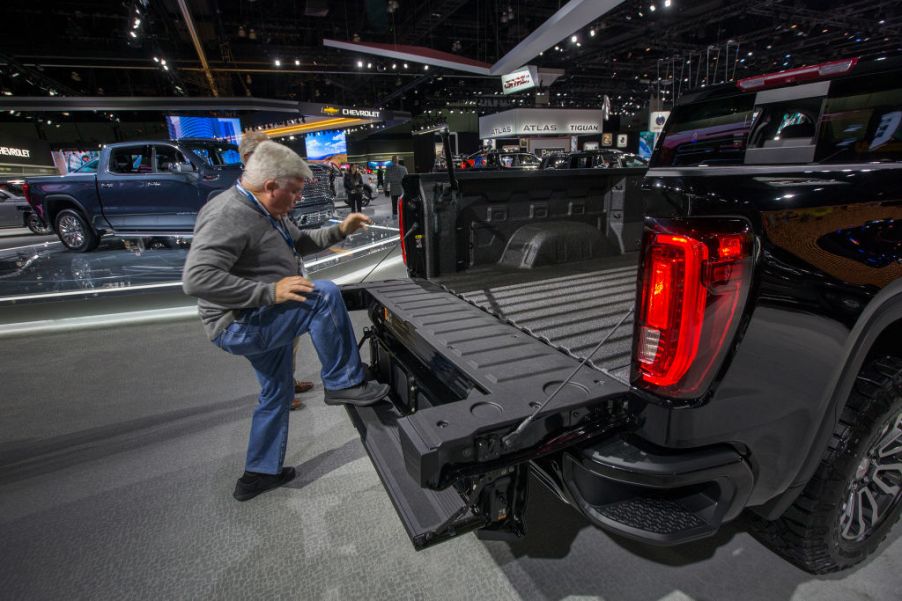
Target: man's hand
354,222
293,289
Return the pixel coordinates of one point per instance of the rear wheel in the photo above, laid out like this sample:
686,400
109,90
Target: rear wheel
74,232
855,496
36,225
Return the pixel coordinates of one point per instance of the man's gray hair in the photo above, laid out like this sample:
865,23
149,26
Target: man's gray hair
249,143
274,161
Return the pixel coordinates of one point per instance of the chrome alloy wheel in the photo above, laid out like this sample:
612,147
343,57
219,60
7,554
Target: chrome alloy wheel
877,485
71,231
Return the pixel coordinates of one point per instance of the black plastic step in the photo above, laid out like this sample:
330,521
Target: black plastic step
659,516
429,516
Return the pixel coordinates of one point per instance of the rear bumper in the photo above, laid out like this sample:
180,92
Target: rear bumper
656,495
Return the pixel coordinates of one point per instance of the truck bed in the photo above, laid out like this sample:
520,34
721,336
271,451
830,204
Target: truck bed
572,306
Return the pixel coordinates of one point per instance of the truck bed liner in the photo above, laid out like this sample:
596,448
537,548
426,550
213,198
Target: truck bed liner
572,306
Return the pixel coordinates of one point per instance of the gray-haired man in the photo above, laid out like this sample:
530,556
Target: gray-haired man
246,269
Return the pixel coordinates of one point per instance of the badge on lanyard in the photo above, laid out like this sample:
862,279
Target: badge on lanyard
279,226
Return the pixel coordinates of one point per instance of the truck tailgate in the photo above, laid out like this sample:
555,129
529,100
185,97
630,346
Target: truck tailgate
462,380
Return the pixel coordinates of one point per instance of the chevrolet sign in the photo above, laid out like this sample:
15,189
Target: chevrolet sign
330,110
522,79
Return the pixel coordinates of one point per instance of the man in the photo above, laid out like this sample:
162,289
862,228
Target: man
245,268
395,173
249,143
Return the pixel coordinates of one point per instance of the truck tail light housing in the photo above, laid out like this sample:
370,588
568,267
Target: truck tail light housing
26,192
401,228
693,286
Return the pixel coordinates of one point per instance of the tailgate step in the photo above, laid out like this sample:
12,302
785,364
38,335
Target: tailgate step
429,516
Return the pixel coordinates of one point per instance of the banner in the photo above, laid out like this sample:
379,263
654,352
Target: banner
519,80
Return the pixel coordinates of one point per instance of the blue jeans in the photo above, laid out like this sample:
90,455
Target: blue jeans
264,336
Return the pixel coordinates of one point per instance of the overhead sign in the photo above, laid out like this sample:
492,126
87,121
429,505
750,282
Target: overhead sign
23,151
519,80
542,122
335,110
656,121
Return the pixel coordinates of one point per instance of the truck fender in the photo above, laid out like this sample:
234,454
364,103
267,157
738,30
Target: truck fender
62,201
882,312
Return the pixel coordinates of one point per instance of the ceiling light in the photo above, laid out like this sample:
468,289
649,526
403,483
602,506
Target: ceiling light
394,65
425,67
162,61
156,59
573,39
369,65
652,8
667,3
405,65
359,64
297,63
278,63
133,34
592,33
166,67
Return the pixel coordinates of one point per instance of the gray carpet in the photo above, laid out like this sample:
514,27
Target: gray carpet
119,449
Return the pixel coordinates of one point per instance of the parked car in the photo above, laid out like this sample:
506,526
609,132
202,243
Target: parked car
15,210
747,357
594,159
500,160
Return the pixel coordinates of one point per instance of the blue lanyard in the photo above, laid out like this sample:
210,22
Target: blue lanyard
276,225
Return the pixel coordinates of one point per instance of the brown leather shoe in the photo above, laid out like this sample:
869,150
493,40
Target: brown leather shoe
302,386
295,403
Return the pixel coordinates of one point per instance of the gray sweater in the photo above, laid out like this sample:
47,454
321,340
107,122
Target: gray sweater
236,258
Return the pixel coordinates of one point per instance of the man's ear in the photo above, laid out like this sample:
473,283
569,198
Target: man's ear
270,186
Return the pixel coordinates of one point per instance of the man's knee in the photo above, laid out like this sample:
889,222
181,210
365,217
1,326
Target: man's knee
329,291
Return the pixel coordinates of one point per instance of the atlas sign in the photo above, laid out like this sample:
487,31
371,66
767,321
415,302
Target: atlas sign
522,79
541,122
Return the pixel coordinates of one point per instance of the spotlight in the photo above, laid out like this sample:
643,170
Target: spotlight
405,65
369,65
297,63
425,67
652,8
573,39
359,64
278,63
591,33
667,3
133,34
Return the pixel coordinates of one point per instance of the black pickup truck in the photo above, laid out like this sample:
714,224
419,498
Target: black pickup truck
662,351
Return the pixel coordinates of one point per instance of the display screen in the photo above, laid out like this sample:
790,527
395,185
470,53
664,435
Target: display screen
377,164
327,146
212,128
70,161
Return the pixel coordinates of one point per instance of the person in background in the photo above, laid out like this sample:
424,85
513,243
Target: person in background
354,187
249,143
246,268
380,177
395,174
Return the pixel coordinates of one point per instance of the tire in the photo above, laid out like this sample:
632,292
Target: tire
832,526
36,225
74,232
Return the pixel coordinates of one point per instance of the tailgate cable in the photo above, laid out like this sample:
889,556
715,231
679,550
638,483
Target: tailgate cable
509,439
391,249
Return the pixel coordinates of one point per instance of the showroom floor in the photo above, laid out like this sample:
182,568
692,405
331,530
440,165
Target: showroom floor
119,448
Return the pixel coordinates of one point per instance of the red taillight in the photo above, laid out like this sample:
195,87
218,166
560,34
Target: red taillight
401,228
810,73
695,279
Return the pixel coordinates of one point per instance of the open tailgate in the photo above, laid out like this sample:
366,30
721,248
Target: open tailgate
462,380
